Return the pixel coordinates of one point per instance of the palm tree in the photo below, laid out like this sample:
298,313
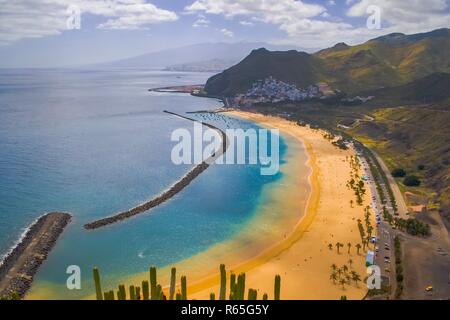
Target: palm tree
338,246
350,262
358,247
333,267
351,203
333,277
342,282
348,278
355,277
330,246
339,272
349,245
369,230
345,268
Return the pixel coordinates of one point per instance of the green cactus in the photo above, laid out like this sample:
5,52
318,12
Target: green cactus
137,295
132,293
98,287
178,296
173,279
232,286
109,295
277,287
158,292
240,295
265,297
153,284
145,290
252,294
121,294
223,282
183,288
212,296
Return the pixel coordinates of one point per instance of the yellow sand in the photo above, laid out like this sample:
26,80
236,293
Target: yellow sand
304,260
290,240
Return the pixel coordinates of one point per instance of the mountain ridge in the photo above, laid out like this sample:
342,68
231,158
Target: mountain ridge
391,60
190,54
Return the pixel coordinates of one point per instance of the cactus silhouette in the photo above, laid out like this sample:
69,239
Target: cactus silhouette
153,283
137,294
232,286
173,280
223,282
98,287
252,294
122,294
237,288
240,294
183,288
277,287
145,290
132,293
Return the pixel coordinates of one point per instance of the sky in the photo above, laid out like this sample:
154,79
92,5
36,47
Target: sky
52,33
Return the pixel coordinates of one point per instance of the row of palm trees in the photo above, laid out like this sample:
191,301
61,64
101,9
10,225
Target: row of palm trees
410,225
340,245
356,183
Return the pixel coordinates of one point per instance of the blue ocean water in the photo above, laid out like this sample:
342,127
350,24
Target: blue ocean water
96,142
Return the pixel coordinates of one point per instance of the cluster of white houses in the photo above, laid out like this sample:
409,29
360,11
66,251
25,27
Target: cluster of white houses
271,90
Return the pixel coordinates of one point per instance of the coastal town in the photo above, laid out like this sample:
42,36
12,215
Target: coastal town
271,90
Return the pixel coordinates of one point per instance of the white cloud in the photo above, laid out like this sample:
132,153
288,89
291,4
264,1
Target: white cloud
20,19
227,33
310,25
246,23
331,3
201,22
270,11
406,16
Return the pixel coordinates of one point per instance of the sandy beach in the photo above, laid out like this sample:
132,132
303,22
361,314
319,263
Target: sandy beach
304,260
289,235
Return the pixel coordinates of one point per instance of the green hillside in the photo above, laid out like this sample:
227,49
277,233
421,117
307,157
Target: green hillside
417,140
386,61
293,67
434,88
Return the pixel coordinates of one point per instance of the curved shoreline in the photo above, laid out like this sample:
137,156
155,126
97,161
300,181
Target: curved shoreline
323,220
172,191
302,225
18,267
305,248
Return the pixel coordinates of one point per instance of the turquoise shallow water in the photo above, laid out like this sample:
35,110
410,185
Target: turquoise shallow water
95,142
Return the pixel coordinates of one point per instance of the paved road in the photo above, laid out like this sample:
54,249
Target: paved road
402,208
385,234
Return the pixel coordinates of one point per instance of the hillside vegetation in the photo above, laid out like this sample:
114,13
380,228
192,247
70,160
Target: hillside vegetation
415,139
434,88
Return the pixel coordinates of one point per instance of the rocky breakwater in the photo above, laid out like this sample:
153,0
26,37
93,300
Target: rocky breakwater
172,191
21,264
